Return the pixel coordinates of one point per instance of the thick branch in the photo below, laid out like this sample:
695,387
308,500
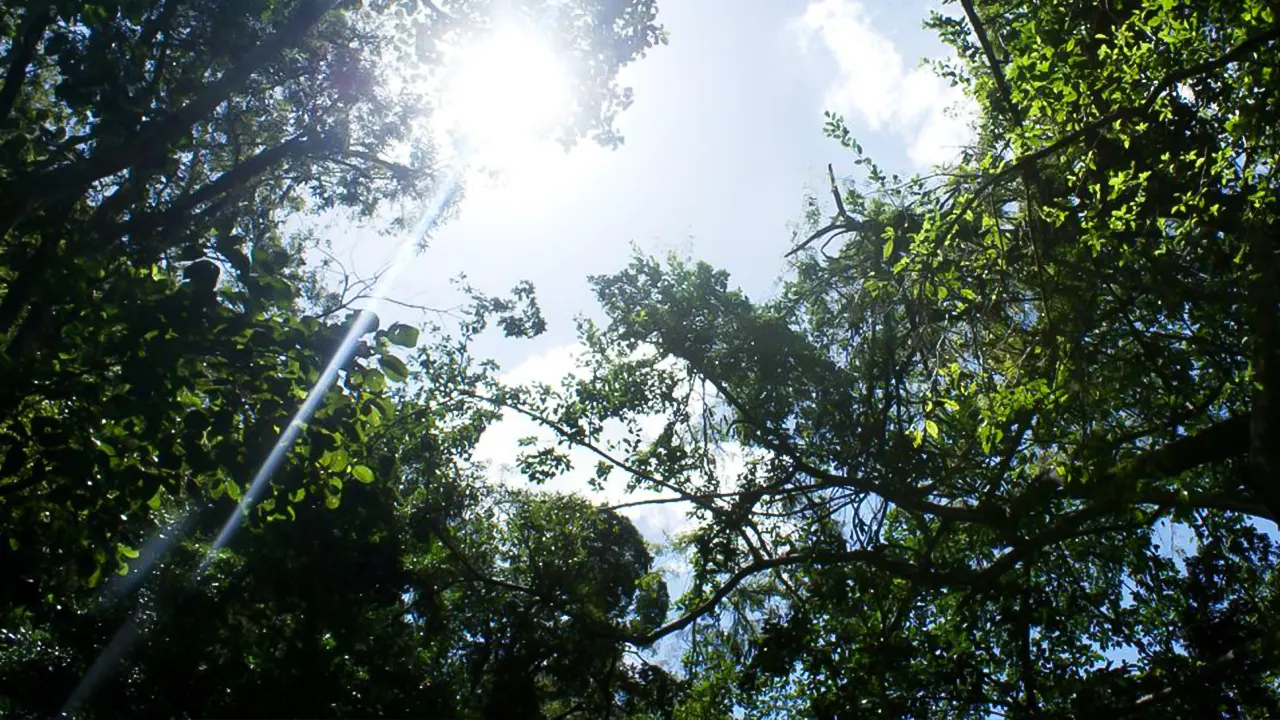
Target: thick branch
158,135
875,559
997,73
1264,435
1223,440
1229,502
402,173
22,55
1217,442
228,181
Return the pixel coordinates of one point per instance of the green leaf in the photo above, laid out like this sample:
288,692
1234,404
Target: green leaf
373,380
362,473
394,367
402,335
335,460
331,501
931,427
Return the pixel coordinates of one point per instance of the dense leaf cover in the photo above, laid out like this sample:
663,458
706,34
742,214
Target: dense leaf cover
159,333
1003,443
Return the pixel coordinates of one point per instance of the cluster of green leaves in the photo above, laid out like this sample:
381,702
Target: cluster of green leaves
425,593
931,477
159,333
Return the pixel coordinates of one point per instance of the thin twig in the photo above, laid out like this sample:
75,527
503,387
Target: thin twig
843,222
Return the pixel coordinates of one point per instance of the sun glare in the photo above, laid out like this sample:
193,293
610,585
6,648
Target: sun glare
503,96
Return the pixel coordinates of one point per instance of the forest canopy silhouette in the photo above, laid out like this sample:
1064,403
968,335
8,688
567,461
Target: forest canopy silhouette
933,475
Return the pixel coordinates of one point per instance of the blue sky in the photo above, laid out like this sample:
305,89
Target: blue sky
723,143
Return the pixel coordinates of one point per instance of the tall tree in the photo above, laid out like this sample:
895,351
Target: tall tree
935,474
155,330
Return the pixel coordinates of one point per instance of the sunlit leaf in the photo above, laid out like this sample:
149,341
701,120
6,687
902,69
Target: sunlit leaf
394,367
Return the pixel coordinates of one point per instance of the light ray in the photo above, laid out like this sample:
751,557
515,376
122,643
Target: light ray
136,625
507,94
364,321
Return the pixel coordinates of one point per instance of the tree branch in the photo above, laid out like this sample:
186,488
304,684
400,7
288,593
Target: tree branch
1026,161
873,558
903,499
22,55
155,136
843,222
593,448
1147,702
1006,95
471,570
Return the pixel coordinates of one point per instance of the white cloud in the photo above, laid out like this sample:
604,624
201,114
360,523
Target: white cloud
873,83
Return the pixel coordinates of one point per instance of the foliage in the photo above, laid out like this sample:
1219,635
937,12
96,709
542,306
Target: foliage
409,598
159,333
931,477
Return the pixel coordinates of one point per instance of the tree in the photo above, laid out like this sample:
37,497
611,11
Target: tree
156,323
405,587
931,477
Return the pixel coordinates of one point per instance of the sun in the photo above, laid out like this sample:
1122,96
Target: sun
503,97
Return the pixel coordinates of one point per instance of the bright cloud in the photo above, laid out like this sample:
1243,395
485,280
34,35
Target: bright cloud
873,83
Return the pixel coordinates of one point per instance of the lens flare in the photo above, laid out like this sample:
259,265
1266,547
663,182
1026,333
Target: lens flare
504,96
136,625
501,99
363,323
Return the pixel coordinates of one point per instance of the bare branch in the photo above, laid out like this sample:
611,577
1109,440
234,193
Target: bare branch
570,437
843,223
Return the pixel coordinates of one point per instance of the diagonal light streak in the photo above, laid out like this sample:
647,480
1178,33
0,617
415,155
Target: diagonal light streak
136,625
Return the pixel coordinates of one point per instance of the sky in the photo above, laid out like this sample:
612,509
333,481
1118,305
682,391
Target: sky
723,143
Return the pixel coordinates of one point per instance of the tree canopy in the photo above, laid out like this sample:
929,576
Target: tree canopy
160,330
1004,443
937,474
